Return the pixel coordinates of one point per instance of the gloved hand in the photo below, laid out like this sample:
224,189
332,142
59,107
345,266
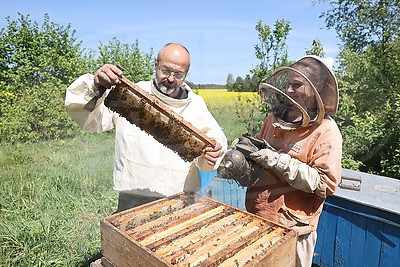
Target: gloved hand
266,158
251,142
296,173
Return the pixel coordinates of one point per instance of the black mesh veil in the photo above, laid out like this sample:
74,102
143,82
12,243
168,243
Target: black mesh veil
301,94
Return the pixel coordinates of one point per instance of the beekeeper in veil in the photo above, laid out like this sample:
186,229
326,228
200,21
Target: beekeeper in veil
303,163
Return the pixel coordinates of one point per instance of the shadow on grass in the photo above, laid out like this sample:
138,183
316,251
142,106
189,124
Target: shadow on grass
92,258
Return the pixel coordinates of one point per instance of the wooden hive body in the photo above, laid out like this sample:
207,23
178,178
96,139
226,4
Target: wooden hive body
156,119
193,230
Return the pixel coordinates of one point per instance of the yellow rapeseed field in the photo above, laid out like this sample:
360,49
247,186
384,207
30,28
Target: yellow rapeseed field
221,99
236,112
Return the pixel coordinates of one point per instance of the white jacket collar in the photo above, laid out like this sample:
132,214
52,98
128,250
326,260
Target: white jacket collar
177,103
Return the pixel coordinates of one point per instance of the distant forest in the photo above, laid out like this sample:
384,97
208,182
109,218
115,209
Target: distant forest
206,85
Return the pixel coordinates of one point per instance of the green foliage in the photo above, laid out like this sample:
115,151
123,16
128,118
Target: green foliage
248,84
38,114
37,63
272,53
272,49
205,85
251,111
138,65
31,55
316,48
369,82
229,82
364,23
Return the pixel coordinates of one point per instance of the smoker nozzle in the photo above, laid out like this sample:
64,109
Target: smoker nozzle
228,164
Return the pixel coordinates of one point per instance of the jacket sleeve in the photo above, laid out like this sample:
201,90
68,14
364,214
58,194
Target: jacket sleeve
78,94
298,174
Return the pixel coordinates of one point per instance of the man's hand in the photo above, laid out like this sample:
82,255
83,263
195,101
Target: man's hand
107,76
211,154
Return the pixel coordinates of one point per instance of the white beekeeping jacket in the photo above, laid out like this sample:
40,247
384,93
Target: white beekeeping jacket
141,164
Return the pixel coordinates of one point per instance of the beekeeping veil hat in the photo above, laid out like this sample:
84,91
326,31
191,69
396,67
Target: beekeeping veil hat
301,94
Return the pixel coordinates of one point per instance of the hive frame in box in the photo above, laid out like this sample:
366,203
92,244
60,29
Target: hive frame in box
188,229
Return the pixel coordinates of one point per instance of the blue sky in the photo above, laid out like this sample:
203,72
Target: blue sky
220,34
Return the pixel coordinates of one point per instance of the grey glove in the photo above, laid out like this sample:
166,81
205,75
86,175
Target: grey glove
298,174
266,157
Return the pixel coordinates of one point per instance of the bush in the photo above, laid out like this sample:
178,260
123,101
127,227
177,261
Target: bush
38,114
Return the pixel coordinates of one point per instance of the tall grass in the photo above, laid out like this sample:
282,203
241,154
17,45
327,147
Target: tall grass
53,194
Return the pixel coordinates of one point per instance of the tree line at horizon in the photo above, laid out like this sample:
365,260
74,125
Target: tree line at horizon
39,60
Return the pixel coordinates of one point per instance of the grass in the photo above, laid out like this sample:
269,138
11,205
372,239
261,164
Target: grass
53,194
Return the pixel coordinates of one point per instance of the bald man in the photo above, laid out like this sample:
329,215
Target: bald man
144,169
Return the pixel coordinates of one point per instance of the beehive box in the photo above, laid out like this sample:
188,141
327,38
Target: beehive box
193,230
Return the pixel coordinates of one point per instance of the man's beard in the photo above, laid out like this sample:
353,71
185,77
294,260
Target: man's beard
166,90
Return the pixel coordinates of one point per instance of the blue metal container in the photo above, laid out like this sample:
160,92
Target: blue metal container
361,228
222,190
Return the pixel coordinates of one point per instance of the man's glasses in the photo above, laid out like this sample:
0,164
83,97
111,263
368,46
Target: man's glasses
178,75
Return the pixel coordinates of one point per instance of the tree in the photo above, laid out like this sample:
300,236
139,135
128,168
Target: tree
32,55
363,24
370,81
138,65
229,82
37,62
272,49
238,85
316,48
